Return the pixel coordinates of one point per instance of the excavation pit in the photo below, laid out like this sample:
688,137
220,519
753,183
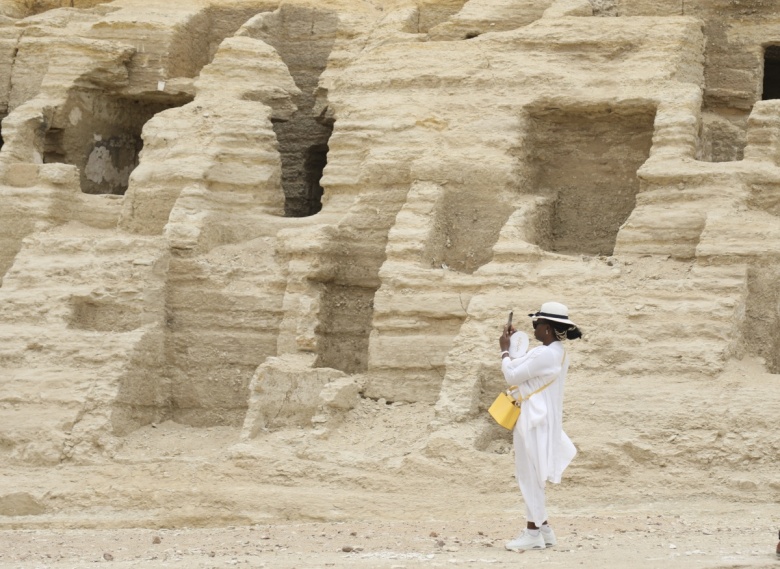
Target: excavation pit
104,315
586,161
304,39
101,136
771,81
344,327
466,227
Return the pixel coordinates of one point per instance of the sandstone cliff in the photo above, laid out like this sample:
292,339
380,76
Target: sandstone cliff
286,219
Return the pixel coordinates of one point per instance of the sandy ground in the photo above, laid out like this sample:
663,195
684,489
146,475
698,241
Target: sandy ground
699,538
669,474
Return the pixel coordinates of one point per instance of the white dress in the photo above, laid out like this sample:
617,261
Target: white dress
542,449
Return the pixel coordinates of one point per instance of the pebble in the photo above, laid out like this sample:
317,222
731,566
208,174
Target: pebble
108,557
156,539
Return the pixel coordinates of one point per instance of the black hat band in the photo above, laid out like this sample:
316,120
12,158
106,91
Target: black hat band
549,315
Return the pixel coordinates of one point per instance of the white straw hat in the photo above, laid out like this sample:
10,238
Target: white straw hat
554,311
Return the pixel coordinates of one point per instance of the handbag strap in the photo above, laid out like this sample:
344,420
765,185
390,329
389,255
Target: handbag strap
542,388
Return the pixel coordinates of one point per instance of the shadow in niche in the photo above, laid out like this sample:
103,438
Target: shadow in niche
762,315
316,158
722,135
344,327
465,229
304,39
303,148
771,80
101,136
586,160
104,315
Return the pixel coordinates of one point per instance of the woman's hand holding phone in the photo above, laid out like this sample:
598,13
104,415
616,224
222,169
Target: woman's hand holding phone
503,341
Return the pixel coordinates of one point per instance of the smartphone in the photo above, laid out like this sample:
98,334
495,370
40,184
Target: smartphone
509,320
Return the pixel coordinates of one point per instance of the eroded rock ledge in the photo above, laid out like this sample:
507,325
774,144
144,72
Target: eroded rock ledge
265,215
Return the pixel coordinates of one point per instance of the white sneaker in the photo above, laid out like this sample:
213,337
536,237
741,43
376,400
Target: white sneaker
548,536
526,541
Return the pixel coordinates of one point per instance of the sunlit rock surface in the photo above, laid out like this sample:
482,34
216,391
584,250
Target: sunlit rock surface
281,217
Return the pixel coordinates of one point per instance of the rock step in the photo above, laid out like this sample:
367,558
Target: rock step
78,315
60,385
76,272
90,352
109,241
26,422
36,432
53,255
63,338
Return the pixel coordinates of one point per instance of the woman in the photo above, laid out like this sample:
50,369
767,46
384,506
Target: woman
542,449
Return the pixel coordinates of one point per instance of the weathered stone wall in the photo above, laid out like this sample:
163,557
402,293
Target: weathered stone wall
217,212
737,34
26,8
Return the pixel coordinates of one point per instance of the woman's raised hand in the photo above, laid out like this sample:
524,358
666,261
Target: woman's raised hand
503,341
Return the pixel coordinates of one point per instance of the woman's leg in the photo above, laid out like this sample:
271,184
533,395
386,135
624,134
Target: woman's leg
528,480
533,496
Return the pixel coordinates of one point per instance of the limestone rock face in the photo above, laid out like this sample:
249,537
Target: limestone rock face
19,504
286,392
281,217
481,16
236,112
27,8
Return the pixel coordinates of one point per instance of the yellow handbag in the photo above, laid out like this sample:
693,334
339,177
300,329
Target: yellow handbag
506,409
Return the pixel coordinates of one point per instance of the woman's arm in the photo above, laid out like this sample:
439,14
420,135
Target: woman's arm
539,362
